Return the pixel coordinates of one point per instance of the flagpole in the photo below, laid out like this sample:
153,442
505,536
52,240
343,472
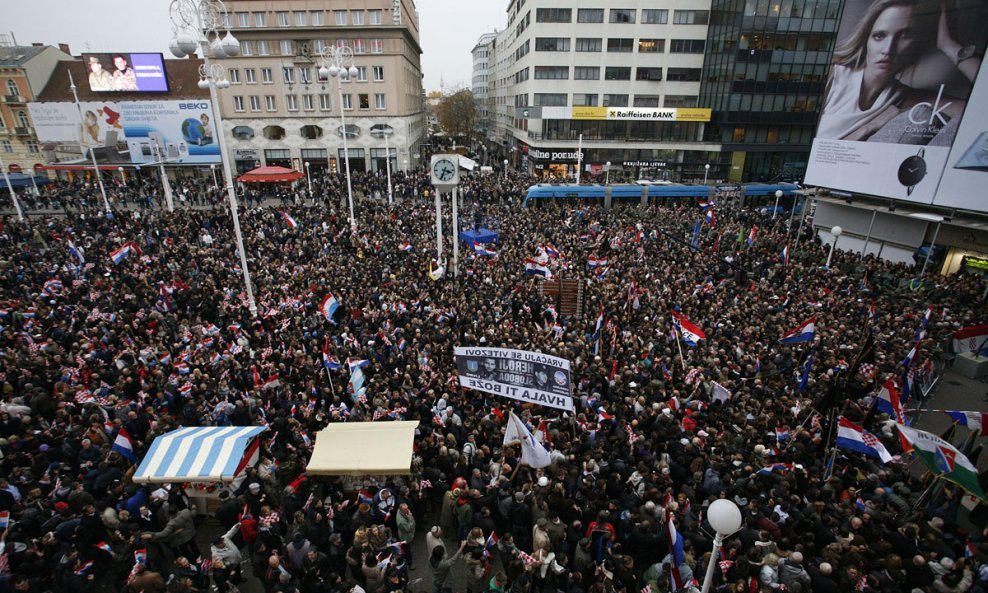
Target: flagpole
331,386
680,346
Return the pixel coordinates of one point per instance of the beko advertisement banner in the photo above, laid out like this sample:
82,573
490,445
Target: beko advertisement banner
902,78
182,131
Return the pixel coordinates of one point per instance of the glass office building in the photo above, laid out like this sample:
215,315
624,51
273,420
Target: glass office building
764,74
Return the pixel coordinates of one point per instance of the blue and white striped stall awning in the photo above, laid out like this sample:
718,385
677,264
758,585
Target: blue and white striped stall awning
200,454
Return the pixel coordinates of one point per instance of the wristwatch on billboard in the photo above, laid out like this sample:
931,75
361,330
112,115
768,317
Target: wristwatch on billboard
912,171
965,52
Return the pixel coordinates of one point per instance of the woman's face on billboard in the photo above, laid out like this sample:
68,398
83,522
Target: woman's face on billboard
891,41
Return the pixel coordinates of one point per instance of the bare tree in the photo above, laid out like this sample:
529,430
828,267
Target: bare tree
457,113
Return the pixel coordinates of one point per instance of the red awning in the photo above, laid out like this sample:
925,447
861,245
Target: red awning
270,175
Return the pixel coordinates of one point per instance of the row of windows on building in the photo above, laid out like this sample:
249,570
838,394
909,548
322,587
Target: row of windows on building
610,73
324,101
304,75
609,100
620,45
32,146
23,120
289,47
304,18
613,45
649,16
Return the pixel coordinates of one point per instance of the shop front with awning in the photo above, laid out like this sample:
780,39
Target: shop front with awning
363,449
197,456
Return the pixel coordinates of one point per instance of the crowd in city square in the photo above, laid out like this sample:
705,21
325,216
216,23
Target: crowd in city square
139,323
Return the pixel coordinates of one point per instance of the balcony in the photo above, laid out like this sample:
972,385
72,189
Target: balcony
22,131
14,99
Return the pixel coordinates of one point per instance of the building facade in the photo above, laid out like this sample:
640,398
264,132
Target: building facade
624,74
764,75
479,81
24,72
280,111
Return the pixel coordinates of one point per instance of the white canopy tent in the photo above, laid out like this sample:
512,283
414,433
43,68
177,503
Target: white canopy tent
201,454
363,448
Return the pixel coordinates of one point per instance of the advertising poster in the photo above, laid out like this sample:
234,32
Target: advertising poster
901,77
516,374
59,123
966,175
182,131
120,73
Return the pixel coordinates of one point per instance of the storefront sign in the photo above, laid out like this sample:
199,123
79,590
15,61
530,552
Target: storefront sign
554,155
649,164
626,113
245,154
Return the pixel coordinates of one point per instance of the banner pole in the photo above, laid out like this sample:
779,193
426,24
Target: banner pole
679,345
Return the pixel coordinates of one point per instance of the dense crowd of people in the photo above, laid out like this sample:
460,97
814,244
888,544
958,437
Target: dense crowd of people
92,348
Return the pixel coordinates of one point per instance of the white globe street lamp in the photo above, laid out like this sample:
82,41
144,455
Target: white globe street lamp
706,170
836,232
725,518
337,62
778,194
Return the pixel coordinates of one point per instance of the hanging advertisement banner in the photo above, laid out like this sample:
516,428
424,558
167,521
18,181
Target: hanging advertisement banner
183,131
966,175
901,78
521,375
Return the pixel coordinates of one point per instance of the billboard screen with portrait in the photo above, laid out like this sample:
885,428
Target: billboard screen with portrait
966,174
120,73
900,80
520,375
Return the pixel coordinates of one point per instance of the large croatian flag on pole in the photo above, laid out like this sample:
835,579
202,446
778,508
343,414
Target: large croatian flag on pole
804,332
690,332
329,306
853,437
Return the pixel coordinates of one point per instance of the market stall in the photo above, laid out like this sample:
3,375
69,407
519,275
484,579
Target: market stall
270,175
363,449
201,458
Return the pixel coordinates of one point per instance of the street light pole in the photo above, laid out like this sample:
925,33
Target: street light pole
706,170
194,21
82,122
166,187
13,194
836,232
725,518
123,177
337,61
579,159
607,173
778,194
386,133
308,177
212,167
505,168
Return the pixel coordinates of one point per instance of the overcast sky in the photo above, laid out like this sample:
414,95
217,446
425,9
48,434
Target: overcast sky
449,29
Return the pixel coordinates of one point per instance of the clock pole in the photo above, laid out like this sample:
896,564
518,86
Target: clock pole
439,227
456,234
445,172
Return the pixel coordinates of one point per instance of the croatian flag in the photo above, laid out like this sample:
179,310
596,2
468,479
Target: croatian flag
804,332
972,420
77,253
270,383
124,445
118,255
593,262
405,246
4,519
598,330
210,330
354,363
908,360
890,402
853,437
329,306
675,543
288,220
552,251
751,236
709,217
780,468
105,547
534,268
481,249
785,256
690,332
